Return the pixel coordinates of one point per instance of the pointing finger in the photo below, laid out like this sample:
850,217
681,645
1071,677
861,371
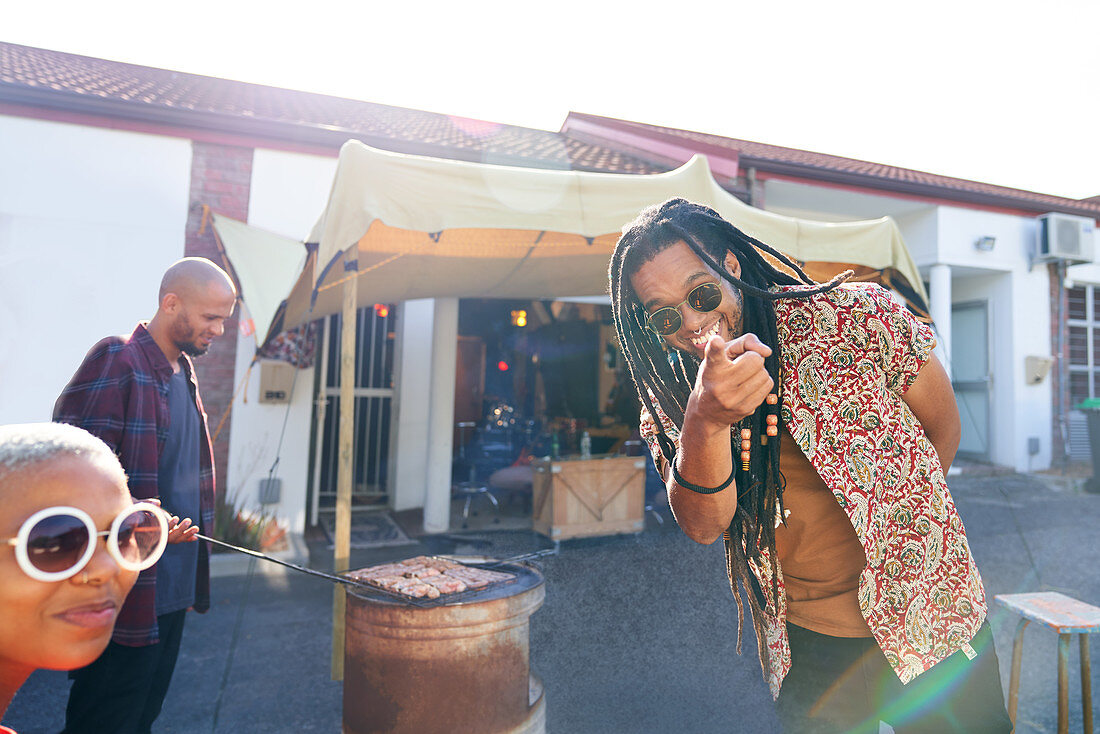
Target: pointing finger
753,344
714,351
747,343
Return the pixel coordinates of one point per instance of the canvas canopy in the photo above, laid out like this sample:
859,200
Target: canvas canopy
414,227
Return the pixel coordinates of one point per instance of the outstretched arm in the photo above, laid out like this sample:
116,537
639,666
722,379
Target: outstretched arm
731,384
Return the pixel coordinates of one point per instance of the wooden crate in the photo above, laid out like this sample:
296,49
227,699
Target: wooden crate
573,498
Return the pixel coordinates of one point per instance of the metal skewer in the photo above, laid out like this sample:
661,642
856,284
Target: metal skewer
351,581
296,567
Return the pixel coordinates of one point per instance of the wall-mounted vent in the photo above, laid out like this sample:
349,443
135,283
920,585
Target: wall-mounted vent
1065,237
276,381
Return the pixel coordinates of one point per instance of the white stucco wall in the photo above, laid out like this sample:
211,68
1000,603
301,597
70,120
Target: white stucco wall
1031,405
288,192
920,230
89,220
1019,301
1019,313
960,228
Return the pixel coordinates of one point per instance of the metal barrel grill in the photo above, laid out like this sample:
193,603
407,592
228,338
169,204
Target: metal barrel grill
459,663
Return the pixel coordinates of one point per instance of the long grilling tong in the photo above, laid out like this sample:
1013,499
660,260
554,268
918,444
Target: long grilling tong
354,582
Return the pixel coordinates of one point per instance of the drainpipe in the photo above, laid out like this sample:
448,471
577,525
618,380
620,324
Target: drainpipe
1061,398
750,179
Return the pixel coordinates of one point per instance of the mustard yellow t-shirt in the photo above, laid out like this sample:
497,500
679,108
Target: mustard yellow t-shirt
819,553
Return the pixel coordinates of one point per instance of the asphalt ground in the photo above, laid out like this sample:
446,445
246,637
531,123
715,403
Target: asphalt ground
636,634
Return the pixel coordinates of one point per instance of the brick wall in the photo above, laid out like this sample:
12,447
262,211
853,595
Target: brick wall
220,178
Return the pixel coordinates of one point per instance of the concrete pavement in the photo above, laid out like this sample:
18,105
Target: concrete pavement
636,636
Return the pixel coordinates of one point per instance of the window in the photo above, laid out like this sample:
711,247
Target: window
1083,342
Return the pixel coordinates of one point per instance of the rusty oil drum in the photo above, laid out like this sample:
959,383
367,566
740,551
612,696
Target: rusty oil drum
450,668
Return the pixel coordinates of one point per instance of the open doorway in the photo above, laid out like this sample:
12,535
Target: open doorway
533,378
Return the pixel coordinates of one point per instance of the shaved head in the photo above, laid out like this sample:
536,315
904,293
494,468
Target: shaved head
191,275
196,297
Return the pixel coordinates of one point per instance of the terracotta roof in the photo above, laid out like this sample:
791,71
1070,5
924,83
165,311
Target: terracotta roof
43,78
836,169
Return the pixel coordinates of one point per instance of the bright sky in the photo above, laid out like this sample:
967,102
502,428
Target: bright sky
1000,91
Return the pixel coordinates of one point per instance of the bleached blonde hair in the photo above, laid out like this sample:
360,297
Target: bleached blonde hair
26,446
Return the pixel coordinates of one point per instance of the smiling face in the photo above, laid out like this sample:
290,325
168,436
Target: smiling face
66,624
199,317
667,279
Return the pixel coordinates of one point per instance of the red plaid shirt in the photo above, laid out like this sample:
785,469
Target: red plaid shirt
848,356
120,393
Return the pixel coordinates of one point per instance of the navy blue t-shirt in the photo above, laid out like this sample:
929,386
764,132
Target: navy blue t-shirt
178,482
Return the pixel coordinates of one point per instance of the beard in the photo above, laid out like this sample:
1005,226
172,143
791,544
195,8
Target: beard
185,336
191,349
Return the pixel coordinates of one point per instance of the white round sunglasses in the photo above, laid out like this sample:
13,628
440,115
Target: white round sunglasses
58,542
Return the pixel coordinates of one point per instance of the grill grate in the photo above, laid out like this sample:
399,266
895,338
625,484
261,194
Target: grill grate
525,576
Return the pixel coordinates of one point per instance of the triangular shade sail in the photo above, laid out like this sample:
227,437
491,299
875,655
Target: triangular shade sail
266,266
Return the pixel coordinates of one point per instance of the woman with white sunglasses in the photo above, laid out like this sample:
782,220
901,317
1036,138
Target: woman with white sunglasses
72,541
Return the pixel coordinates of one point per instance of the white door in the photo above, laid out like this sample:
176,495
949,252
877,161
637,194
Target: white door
374,391
970,376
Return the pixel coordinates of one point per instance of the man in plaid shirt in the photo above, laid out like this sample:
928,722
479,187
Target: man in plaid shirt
139,395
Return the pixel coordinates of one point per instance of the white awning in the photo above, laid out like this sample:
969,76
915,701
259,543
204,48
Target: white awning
415,227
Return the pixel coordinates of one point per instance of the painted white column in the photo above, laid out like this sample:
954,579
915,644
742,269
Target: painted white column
413,367
437,500
939,282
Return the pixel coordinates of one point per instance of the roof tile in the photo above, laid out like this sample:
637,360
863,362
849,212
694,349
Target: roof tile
132,88
765,156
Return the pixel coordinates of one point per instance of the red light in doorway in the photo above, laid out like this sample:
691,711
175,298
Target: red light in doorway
502,366
381,310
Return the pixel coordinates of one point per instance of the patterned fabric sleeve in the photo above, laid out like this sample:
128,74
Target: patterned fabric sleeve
904,344
647,427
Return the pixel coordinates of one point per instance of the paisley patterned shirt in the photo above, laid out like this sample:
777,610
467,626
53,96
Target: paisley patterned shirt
848,356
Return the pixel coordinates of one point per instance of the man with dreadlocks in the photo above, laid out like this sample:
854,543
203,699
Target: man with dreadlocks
811,426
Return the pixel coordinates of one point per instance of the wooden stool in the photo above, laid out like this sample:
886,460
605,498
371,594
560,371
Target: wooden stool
1066,616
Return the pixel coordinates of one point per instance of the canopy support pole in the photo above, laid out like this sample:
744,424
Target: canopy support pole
345,472
441,427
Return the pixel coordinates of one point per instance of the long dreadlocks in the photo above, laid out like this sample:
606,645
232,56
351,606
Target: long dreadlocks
669,376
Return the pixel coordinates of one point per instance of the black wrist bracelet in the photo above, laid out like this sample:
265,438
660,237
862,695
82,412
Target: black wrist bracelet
695,487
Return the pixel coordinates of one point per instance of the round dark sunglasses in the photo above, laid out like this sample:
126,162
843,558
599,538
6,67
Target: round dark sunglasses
703,298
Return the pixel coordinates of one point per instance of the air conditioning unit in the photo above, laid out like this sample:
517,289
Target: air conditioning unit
1065,237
